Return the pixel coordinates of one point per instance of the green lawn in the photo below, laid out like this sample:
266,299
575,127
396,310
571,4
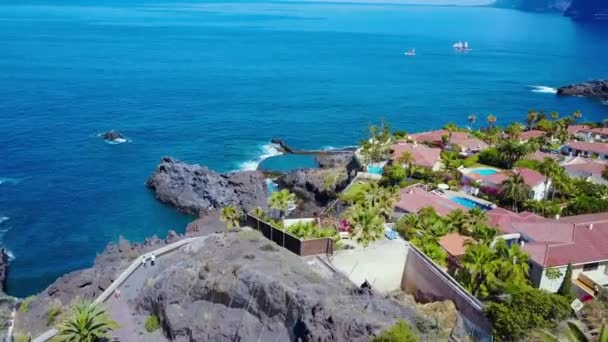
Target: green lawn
354,193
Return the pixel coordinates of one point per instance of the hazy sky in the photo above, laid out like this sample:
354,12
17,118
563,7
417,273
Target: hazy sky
422,2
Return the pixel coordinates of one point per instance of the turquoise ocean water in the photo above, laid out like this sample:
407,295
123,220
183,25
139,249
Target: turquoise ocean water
213,82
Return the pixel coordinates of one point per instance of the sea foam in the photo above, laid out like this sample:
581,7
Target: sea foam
3,218
266,151
542,89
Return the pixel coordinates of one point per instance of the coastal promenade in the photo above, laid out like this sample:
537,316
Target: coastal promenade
134,266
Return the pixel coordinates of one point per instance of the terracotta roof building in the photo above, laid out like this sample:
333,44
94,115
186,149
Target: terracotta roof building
589,169
587,149
413,198
467,142
422,155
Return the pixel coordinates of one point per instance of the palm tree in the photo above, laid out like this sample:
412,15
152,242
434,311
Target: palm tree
514,189
554,115
514,262
451,128
458,219
232,216
550,169
475,217
280,200
259,212
472,119
514,130
85,323
531,118
405,158
577,115
491,120
477,273
484,234
367,224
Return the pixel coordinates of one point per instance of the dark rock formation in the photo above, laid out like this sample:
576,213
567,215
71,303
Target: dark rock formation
535,5
112,136
88,283
588,10
234,288
597,89
338,159
320,186
194,188
3,268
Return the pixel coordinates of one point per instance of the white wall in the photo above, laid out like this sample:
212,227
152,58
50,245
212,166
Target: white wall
539,190
552,285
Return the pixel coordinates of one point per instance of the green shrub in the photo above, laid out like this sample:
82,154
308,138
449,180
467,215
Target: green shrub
52,313
25,304
249,235
470,161
22,337
528,164
526,309
152,323
400,332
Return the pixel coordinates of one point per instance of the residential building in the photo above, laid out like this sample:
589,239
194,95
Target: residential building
455,245
553,243
540,156
585,149
492,183
468,144
413,198
589,169
586,133
422,155
531,134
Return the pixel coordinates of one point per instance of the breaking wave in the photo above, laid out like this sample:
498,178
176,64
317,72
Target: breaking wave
543,89
3,218
266,151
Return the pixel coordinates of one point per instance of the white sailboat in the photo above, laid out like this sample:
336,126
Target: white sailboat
411,52
462,46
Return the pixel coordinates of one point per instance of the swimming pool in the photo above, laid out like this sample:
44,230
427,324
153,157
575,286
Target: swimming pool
376,170
468,203
484,172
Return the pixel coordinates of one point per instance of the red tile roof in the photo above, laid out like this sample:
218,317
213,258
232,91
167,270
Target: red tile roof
533,133
573,129
598,130
593,147
413,199
459,138
422,155
540,156
529,176
557,242
454,243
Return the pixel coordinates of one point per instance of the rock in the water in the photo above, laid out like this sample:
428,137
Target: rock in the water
113,136
231,288
597,88
3,268
194,188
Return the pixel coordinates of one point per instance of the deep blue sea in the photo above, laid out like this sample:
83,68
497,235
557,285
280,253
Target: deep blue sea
213,82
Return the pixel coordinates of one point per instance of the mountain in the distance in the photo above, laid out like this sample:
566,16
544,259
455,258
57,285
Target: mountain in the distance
535,5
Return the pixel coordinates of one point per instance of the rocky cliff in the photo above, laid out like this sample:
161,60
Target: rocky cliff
195,188
3,268
535,5
596,89
240,287
588,10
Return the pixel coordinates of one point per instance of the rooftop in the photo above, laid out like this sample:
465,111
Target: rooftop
533,133
414,198
594,147
577,239
422,155
454,243
529,176
582,165
540,156
459,138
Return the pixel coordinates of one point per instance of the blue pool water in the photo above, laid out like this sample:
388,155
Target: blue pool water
465,202
212,82
376,170
484,172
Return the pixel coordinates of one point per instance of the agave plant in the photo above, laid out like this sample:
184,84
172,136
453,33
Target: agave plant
85,323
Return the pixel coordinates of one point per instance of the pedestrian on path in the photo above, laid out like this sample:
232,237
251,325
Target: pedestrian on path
152,259
144,260
117,294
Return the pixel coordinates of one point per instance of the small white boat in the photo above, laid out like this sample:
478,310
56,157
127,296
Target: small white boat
460,46
411,52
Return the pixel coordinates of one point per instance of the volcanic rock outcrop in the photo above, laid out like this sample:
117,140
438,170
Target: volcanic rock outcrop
596,88
195,188
241,287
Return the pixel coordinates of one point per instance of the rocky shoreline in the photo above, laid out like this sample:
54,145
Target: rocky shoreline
594,89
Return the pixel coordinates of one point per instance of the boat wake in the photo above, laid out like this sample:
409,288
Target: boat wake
266,151
542,89
11,181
